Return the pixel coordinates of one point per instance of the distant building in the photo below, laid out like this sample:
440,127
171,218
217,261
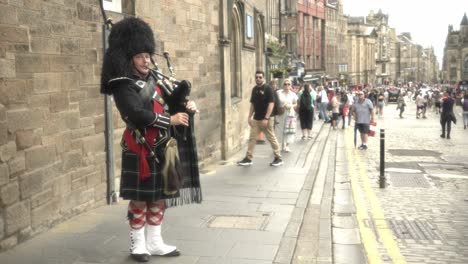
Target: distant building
336,53
303,32
455,62
361,51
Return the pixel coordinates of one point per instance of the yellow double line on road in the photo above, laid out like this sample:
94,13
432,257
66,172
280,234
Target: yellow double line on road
362,192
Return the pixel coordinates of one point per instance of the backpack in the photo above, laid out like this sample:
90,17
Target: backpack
305,101
277,108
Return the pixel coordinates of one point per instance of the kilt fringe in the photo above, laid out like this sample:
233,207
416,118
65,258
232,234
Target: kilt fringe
186,196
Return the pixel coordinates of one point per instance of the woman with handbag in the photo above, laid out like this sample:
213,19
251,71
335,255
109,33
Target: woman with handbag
287,121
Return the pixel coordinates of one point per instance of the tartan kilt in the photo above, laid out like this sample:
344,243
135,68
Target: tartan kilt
150,189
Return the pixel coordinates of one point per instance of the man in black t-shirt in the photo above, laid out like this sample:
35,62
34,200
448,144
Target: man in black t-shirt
261,108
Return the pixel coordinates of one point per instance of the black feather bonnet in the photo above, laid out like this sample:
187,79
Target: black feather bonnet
127,38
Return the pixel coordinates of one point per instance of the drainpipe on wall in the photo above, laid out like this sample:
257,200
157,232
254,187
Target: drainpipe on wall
109,135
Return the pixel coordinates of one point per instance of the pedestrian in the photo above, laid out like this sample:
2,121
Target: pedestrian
260,119
380,103
363,113
437,96
419,104
286,129
447,116
306,110
322,99
344,109
401,103
150,128
335,103
465,109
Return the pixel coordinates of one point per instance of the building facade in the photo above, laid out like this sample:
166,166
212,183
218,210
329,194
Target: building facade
52,117
303,31
385,66
455,61
361,52
336,52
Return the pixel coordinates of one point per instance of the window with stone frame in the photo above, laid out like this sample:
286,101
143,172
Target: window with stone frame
453,73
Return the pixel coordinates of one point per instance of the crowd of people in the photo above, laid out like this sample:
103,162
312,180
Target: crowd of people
339,107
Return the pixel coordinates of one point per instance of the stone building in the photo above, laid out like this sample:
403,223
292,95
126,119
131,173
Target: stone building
336,52
455,61
52,121
361,52
385,66
303,31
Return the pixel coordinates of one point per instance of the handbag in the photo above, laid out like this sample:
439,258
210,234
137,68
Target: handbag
290,125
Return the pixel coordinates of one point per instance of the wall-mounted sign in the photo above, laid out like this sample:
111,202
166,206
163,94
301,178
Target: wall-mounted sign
113,5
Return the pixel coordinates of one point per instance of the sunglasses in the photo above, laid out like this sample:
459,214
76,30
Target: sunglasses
258,77
287,84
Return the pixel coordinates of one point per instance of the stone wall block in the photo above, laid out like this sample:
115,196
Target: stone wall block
46,82
2,229
89,56
8,15
59,102
31,183
93,180
72,160
17,165
71,119
40,156
45,214
68,65
33,4
9,194
70,46
90,107
42,198
93,144
99,124
26,138
7,151
62,185
4,174
26,63
45,45
23,119
3,133
13,91
85,12
79,183
7,68
17,216
3,110
13,34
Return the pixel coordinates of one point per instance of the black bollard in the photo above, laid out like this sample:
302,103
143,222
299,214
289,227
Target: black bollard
382,159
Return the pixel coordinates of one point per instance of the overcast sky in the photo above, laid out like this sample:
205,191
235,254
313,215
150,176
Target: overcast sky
426,20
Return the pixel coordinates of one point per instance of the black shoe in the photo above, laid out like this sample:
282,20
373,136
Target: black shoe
363,147
276,162
245,162
140,257
442,136
465,126
448,136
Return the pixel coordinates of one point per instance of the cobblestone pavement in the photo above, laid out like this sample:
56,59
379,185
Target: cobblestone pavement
422,214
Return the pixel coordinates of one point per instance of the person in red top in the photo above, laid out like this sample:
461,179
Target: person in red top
154,118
